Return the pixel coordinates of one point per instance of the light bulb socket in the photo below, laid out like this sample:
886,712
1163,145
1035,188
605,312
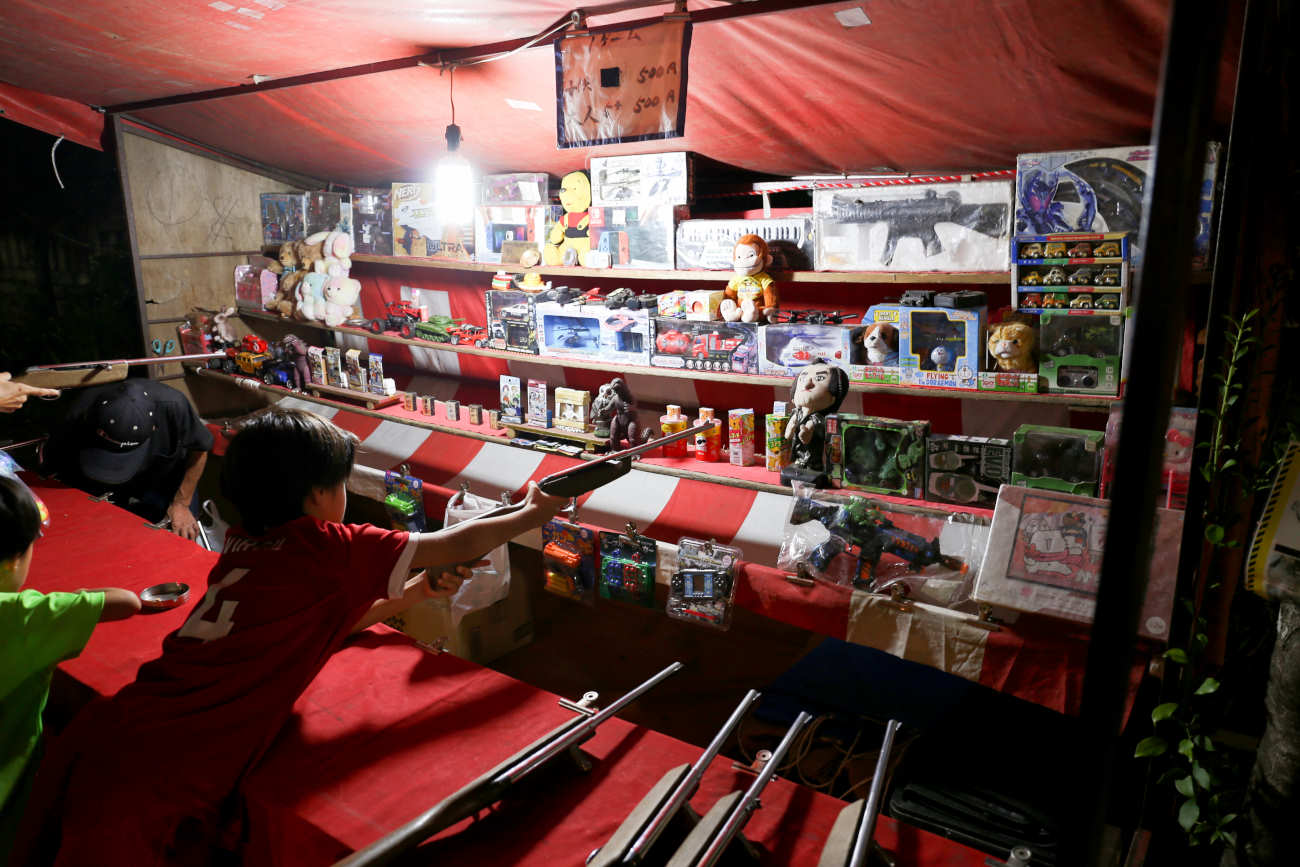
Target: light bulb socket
453,138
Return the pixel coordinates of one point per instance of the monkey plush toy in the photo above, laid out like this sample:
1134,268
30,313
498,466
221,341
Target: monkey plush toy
750,296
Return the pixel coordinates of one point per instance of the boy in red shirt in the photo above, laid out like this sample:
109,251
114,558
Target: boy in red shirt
285,593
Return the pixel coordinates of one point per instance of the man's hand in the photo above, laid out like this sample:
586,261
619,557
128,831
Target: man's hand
183,521
14,394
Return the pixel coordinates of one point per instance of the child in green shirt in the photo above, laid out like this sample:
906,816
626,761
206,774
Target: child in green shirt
37,631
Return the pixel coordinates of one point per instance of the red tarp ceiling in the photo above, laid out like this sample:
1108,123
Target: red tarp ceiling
954,85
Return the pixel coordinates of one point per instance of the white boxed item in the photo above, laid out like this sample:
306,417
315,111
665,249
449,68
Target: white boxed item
496,225
636,235
706,245
664,179
785,349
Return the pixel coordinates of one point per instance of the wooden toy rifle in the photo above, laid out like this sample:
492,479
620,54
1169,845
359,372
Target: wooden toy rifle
705,845
489,788
643,826
81,373
852,839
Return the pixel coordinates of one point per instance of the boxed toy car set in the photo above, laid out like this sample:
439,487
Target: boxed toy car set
1074,271
708,244
966,470
511,320
787,348
730,347
880,455
1079,351
1057,459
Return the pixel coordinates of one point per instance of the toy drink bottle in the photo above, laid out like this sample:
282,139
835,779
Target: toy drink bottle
671,423
708,445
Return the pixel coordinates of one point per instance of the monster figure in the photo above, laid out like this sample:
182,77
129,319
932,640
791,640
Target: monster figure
1040,198
295,350
613,413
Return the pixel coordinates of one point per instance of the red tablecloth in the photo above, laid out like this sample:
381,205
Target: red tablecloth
387,730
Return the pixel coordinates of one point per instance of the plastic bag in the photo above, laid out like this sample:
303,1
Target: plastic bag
489,584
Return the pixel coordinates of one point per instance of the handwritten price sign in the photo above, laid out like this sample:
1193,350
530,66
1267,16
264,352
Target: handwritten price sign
622,85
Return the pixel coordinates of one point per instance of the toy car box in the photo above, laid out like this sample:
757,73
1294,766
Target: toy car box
728,347
295,215
1070,271
1057,459
941,346
1044,556
787,348
372,221
861,369
914,227
665,179
966,470
636,235
1079,351
418,230
880,455
706,245
511,320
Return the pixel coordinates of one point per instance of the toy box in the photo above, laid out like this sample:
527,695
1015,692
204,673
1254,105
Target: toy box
539,412
352,371
1008,380
1057,459
625,337
941,346
569,560
496,225
511,401
512,320
572,409
665,179
515,188
1070,271
628,565
706,245
730,347
316,363
966,470
1044,555
418,230
569,330
881,455
861,367
1175,471
786,349
295,215
700,305
254,287
914,227
636,236
1079,350
334,374
372,221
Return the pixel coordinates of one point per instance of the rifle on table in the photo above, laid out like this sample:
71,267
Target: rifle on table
80,373
710,838
852,839
492,786
648,820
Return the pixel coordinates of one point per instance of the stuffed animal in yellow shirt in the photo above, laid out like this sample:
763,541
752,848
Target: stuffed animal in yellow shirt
750,296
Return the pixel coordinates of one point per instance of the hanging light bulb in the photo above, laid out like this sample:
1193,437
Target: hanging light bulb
453,182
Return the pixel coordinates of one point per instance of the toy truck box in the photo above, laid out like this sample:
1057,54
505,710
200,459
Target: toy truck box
636,235
788,348
879,455
664,179
511,320
295,215
1079,351
706,245
941,346
372,221
966,470
1057,459
682,344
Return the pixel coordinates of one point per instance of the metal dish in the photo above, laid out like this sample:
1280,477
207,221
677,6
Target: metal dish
166,595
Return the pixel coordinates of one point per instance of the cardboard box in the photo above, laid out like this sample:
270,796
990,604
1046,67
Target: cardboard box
418,229
966,470
880,455
788,348
637,235
512,320
625,337
372,221
295,215
1050,272
663,178
254,287
511,399
495,226
941,346
1057,459
572,409
730,347
515,188
569,330
707,244
1079,351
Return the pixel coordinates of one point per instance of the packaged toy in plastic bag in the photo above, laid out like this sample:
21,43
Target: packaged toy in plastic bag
404,501
490,583
627,568
569,561
703,587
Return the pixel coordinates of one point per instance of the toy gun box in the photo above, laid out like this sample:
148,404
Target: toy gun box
966,470
634,179
707,245
880,455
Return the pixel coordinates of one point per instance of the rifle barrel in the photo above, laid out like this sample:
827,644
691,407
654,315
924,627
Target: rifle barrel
747,804
689,784
156,359
867,828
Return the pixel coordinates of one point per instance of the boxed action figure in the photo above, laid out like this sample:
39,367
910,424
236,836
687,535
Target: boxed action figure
880,455
787,348
1079,351
637,235
539,412
664,178
1057,459
941,346
316,362
295,215
730,347
914,227
375,374
334,368
356,377
512,320
1044,556
572,409
707,245
372,221
966,470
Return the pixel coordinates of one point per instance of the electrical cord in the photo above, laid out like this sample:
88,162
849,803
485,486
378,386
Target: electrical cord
53,148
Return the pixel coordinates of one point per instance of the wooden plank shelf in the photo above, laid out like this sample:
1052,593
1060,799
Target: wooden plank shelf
974,277
371,400
1074,401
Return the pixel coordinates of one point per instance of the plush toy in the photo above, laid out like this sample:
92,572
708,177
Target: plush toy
309,298
750,295
569,240
291,275
221,327
335,252
340,293
818,392
1012,346
881,341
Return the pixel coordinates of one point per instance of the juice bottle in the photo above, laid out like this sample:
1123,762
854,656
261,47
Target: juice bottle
673,422
708,446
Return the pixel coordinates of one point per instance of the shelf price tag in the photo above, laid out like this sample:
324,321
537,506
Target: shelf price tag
622,85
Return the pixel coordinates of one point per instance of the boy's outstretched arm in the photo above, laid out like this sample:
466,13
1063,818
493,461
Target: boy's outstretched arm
419,587
469,541
119,604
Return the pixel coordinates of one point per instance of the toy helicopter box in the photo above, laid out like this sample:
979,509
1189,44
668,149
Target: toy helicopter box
569,330
861,368
665,179
914,227
418,229
372,221
1044,556
941,346
966,470
1057,459
707,245
495,225
1079,351
787,348
625,336
880,455
511,320
723,347
636,235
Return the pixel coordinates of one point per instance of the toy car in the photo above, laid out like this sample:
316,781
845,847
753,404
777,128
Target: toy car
1031,278
1054,277
1109,276
400,316
1106,302
673,343
1076,377
1031,251
1081,302
917,298
1081,250
1032,300
514,311
466,335
1054,250
1082,276
1055,300
1106,248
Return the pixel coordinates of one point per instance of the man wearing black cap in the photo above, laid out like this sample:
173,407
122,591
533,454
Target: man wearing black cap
139,440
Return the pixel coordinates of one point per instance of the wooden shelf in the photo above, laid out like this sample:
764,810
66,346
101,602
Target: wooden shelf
976,277
372,401
1078,401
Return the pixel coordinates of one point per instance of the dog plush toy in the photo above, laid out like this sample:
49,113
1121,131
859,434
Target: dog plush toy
881,341
1012,346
